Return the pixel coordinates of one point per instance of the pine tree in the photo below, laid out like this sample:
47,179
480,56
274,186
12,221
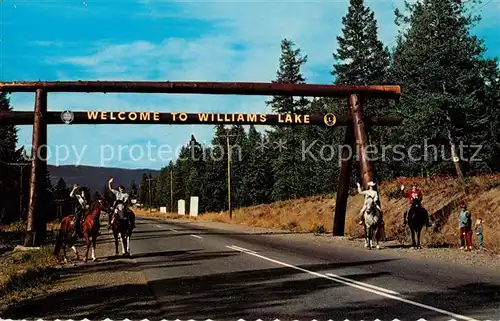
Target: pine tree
287,165
9,209
258,180
216,174
193,169
50,199
320,152
61,191
361,58
143,190
491,74
239,160
132,190
438,63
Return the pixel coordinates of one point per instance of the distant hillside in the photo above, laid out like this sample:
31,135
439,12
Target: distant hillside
96,177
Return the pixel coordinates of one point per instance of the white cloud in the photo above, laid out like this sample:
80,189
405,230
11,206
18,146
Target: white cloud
242,44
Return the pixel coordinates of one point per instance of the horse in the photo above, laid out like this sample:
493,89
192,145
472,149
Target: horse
122,223
372,217
90,231
417,219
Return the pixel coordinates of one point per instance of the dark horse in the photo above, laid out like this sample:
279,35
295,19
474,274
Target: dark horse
122,223
418,217
90,227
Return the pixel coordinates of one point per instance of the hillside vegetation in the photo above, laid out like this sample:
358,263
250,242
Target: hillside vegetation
441,197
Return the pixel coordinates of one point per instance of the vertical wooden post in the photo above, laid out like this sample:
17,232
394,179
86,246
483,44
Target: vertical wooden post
171,190
366,166
343,186
229,177
36,221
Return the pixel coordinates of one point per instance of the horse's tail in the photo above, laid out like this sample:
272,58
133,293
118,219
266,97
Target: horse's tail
59,241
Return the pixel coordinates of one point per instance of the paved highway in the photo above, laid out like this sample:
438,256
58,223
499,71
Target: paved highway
199,273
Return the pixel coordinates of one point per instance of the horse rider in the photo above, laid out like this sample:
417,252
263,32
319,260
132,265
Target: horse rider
121,197
80,209
414,193
371,192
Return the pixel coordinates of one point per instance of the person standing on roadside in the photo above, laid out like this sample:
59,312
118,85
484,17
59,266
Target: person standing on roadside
465,227
479,233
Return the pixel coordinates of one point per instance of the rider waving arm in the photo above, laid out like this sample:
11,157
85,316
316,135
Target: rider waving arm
370,193
110,186
78,197
360,191
120,194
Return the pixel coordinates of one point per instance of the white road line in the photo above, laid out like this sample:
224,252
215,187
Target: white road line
199,237
242,249
364,288
158,225
363,284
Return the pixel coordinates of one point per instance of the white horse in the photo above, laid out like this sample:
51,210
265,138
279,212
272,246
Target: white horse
372,218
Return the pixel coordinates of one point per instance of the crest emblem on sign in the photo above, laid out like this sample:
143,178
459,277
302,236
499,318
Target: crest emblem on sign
330,119
67,117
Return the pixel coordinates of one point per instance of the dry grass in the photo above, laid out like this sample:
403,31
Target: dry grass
441,197
156,214
24,273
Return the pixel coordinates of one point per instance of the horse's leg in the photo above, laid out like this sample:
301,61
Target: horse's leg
377,237
73,247
122,240
366,236
412,231
87,243
370,237
65,258
115,235
94,237
124,244
128,244
418,237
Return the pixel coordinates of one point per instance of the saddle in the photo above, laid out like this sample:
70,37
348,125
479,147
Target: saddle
80,226
120,212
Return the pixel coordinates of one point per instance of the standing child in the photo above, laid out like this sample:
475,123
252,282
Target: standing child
479,233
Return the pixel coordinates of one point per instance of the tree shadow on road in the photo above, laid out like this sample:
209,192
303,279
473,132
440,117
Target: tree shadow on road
476,300
241,294
283,293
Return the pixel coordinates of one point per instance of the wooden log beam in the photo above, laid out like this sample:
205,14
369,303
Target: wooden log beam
343,185
360,133
198,87
36,222
96,117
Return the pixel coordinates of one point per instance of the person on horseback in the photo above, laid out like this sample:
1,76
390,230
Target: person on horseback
371,192
83,205
121,197
414,193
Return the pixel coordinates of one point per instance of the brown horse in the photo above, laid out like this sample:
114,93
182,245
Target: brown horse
90,229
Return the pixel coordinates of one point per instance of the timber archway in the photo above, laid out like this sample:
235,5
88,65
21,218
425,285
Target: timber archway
356,122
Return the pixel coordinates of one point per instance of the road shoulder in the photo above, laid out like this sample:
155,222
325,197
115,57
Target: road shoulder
111,287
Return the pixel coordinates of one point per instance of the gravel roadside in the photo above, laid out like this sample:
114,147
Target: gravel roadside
111,287
482,259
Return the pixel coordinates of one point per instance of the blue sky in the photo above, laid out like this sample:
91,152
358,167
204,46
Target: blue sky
168,40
